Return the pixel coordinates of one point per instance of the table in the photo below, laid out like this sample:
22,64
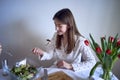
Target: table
83,75
75,75
3,77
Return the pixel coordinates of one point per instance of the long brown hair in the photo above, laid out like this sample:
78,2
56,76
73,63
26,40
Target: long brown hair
66,17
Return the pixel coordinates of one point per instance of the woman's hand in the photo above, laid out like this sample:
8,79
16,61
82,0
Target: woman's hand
63,64
37,51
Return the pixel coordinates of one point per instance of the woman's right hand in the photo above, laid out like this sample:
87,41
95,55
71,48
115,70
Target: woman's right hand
37,51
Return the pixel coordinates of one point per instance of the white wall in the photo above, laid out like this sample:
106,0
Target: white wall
25,24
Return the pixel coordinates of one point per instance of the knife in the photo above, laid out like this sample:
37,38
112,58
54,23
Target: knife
45,76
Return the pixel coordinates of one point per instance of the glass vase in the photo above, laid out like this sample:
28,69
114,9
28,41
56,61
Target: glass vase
107,71
106,74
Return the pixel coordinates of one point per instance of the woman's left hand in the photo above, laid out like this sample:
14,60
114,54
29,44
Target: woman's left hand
63,64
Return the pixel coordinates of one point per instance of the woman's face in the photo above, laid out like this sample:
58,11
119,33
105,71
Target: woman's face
60,27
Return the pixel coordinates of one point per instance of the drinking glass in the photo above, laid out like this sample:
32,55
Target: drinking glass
5,68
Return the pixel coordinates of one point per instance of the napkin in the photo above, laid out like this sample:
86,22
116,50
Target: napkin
22,62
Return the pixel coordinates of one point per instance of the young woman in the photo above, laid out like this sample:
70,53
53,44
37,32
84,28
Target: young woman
69,48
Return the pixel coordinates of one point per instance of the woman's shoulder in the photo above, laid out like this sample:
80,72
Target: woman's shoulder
82,40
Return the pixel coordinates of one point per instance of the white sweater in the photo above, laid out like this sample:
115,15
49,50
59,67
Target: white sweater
81,57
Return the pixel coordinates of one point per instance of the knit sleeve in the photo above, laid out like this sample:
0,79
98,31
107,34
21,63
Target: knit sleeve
85,59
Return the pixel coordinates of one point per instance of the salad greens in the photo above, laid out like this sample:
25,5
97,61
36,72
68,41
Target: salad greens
24,72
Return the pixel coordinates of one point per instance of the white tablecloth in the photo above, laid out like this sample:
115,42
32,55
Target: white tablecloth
75,75
80,75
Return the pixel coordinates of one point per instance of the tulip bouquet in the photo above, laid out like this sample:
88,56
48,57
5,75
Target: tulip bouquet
107,53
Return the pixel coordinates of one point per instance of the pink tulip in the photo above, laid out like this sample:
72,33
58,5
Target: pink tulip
103,38
108,51
118,55
111,39
98,50
118,43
